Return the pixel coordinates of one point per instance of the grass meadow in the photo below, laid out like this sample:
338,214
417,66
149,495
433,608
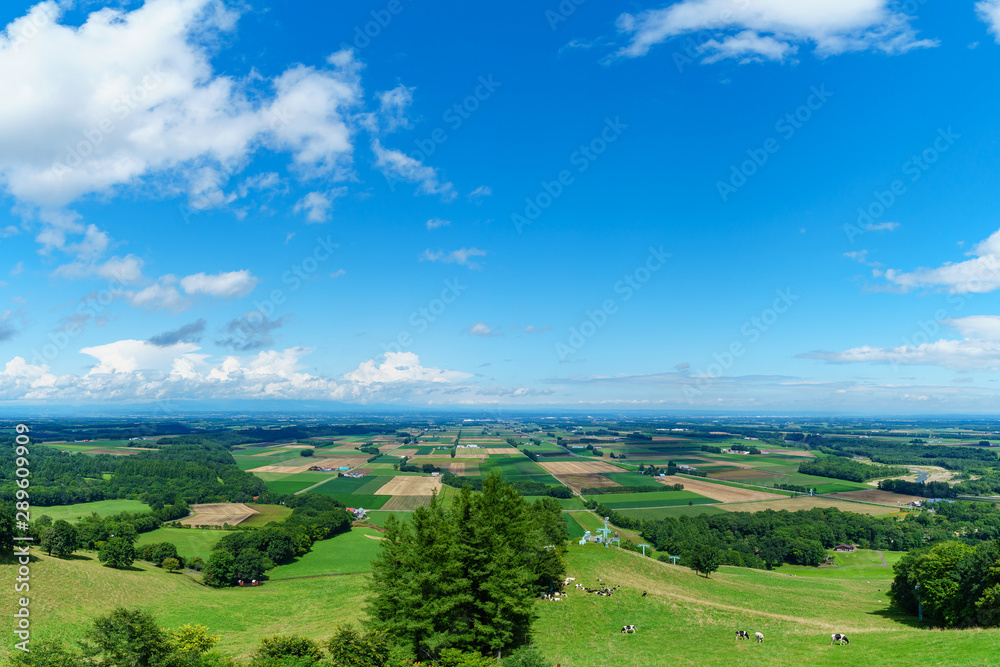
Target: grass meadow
76,512
190,542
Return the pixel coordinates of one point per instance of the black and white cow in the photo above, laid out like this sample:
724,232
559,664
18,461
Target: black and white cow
627,629
837,637
759,636
742,634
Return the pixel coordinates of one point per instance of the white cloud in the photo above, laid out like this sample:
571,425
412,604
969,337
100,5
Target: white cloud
231,285
317,206
772,29
461,256
338,273
977,275
989,13
435,223
161,295
883,227
400,367
482,330
393,105
979,349
128,356
398,166
476,196
132,94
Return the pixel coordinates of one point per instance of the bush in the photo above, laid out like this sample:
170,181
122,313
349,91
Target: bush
117,552
525,657
306,452
288,646
350,648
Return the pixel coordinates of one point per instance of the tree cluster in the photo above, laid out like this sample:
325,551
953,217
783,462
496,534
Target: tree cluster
842,468
467,577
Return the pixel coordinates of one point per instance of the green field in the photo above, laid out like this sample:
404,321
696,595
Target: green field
355,499
79,510
190,542
664,512
349,553
266,514
650,499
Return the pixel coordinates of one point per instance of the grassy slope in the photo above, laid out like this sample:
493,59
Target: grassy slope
75,512
349,553
190,542
689,620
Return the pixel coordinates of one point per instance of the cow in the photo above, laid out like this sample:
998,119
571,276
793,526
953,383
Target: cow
837,637
759,636
742,634
627,629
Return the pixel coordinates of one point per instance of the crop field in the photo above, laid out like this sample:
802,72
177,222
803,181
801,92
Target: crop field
719,492
217,514
651,499
410,486
579,467
406,503
577,482
471,453
654,513
190,542
267,513
77,511
370,502
808,503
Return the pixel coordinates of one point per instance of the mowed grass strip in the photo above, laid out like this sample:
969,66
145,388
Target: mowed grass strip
808,503
75,512
651,499
676,511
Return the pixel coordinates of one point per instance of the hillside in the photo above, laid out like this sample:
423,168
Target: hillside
685,619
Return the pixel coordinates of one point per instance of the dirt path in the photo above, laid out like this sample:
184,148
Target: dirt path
883,558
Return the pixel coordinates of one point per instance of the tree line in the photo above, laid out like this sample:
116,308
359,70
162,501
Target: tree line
838,467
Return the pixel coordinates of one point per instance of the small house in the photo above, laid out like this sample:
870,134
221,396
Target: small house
845,548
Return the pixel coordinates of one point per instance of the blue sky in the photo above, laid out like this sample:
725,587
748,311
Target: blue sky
706,204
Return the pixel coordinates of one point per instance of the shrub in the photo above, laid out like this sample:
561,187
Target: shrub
288,646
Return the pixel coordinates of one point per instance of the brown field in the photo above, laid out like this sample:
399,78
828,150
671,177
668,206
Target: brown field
669,438
502,451
738,464
579,467
742,474
577,482
410,486
117,452
808,503
466,453
217,514
403,503
272,451
310,462
794,452
876,496
724,494
404,452
455,467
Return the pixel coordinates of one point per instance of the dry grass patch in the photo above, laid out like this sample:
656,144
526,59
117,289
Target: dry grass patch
742,474
217,514
404,503
502,451
410,486
579,467
808,503
724,494
875,496
455,467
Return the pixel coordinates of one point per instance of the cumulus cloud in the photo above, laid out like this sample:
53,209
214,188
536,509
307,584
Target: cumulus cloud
772,29
977,275
132,94
316,205
189,333
462,256
392,107
398,166
401,367
978,349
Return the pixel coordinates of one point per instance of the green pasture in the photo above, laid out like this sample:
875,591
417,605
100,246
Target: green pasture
190,542
282,487
266,514
354,499
676,511
348,553
77,511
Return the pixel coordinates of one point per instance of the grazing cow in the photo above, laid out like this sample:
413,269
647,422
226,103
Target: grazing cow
837,637
759,636
742,634
627,629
